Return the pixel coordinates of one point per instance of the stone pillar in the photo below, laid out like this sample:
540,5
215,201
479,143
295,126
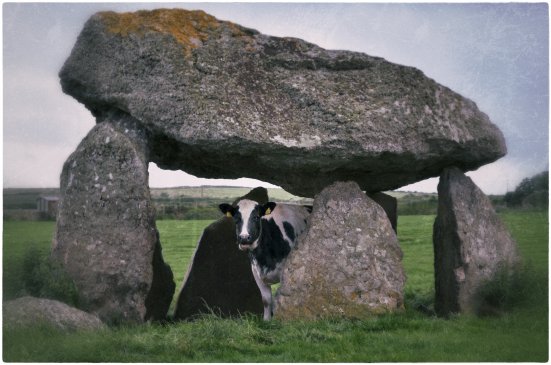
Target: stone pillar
106,235
219,277
347,263
470,244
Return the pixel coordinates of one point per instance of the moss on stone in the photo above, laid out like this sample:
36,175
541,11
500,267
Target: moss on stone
189,28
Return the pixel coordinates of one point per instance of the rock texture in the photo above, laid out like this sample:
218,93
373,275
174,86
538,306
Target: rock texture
29,311
348,262
470,243
106,236
219,278
223,101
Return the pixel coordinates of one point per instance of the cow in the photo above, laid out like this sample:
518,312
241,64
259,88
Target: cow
267,233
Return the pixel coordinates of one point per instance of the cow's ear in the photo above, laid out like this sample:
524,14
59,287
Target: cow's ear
227,209
268,208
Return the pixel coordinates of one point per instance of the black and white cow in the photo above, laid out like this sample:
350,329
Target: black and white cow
268,233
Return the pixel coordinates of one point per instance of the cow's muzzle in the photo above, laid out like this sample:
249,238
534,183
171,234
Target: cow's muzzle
245,246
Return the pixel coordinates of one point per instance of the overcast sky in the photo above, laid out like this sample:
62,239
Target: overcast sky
494,54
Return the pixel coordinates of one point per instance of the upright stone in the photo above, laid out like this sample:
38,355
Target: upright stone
106,235
219,277
470,243
348,262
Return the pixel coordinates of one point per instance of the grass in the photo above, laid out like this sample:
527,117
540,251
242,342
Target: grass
18,239
179,239
413,336
415,235
396,338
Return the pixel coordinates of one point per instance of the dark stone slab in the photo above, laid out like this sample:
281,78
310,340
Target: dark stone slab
389,204
219,277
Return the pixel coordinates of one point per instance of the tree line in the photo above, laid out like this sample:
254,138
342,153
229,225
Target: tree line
531,193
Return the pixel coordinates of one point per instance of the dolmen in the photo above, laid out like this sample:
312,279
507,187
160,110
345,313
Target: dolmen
190,92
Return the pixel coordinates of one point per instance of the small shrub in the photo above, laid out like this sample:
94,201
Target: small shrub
508,288
44,277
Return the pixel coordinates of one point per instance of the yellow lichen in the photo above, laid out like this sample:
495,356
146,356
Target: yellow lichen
189,28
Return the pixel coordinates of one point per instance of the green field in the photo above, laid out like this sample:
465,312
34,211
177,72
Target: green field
519,334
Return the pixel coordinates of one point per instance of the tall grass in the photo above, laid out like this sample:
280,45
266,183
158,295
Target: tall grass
518,334
45,277
20,238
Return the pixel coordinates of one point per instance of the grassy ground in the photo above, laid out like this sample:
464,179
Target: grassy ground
18,239
518,335
179,239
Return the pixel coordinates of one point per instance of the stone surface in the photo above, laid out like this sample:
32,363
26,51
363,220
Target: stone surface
223,101
390,206
219,277
470,243
29,311
348,262
106,236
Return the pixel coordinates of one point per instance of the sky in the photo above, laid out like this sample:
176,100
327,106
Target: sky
496,54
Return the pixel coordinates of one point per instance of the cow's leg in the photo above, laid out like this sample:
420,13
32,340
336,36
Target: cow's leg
265,291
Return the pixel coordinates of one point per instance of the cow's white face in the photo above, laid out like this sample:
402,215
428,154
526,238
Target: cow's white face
247,217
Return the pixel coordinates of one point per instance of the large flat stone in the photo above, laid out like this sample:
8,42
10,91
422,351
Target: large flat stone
224,101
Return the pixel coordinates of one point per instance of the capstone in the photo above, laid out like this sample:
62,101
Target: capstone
223,101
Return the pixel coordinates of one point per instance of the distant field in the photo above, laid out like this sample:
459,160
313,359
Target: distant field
520,335
193,203
25,198
218,192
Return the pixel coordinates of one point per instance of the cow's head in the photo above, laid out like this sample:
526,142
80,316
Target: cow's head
247,216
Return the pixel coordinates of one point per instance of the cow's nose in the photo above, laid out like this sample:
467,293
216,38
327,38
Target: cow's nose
245,237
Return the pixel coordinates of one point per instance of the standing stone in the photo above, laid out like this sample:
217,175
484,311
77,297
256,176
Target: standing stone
219,277
348,262
106,236
470,243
